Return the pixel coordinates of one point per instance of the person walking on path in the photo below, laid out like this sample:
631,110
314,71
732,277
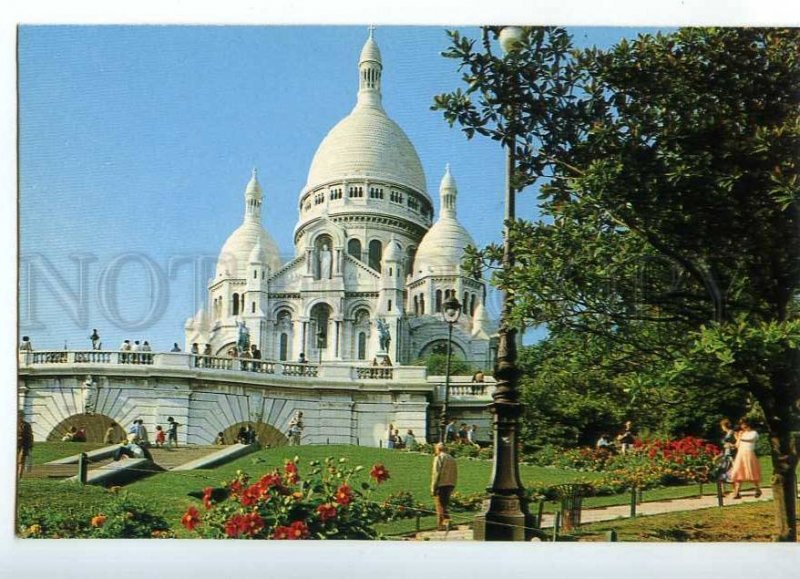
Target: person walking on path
24,442
746,467
95,338
444,477
172,432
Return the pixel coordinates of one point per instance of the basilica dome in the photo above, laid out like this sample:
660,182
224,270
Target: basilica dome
367,143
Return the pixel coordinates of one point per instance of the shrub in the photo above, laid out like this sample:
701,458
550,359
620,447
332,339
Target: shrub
120,518
328,504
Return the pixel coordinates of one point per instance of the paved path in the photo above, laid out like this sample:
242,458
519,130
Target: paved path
463,532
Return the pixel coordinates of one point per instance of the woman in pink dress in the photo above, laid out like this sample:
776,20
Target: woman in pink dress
746,467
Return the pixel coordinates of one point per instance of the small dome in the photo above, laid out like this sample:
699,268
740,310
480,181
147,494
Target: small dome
370,52
481,324
235,254
442,248
253,187
392,251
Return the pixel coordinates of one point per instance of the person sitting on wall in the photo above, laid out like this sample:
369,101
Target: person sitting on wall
177,348
80,435
410,441
70,435
302,358
26,345
220,439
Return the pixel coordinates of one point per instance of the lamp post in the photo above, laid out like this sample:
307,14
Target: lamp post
451,313
506,517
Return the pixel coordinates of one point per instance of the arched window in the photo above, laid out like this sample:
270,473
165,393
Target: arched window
283,352
472,305
375,253
438,301
253,308
465,303
235,309
416,305
421,305
389,308
354,248
362,345
320,315
255,274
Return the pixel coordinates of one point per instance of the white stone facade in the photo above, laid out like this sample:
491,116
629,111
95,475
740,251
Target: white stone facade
366,249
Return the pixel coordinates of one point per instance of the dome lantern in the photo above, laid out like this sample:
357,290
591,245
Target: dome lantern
369,73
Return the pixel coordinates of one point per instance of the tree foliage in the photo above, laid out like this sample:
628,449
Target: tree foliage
667,173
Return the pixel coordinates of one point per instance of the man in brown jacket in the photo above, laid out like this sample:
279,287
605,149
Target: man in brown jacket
443,480
24,442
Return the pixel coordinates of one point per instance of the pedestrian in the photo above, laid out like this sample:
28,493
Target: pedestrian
463,435
161,436
410,441
172,432
220,439
626,438
95,338
136,356
177,348
125,349
603,443
147,356
390,440
450,431
398,441
144,440
241,436
24,443
746,467
444,477
195,349
109,436
296,429
472,435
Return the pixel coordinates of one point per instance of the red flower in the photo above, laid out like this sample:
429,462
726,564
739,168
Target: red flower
252,523
281,533
235,526
298,530
251,495
235,487
326,511
291,472
269,481
344,494
379,473
207,497
191,519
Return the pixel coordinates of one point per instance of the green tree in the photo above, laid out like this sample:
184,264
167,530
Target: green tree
668,184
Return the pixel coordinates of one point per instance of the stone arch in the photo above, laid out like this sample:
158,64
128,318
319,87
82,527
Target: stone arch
354,307
266,434
95,425
354,248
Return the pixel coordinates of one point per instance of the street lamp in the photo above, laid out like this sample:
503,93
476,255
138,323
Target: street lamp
451,313
506,517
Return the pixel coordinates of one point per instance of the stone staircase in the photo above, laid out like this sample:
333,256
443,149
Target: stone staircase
169,458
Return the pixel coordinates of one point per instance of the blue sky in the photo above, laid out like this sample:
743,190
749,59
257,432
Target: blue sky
136,143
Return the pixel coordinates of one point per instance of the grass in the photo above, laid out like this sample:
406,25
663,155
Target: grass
46,451
750,522
168,492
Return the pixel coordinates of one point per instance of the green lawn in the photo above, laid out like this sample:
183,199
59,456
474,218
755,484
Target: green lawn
168,492
47,451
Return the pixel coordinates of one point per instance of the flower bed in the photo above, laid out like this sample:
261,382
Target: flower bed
329,503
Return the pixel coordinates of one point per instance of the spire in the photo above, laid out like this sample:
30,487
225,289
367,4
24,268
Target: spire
253,195
369,73
447,194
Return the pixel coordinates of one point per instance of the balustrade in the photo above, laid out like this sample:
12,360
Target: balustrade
372,373
308,370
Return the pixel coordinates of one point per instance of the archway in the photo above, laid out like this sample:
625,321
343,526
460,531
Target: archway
319,338
266,434
95,426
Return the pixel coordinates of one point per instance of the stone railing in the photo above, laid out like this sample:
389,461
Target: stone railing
375,373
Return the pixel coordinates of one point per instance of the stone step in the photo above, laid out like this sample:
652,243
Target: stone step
169,458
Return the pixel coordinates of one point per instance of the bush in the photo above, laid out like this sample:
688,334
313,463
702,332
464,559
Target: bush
328,504
120,518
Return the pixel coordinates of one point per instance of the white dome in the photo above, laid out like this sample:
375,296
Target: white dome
367,143
235,254
442,248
